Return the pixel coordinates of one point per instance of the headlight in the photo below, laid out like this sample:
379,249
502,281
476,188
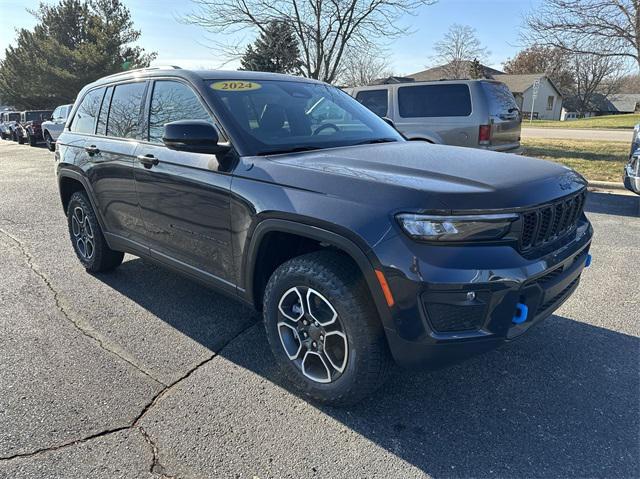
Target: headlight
456,228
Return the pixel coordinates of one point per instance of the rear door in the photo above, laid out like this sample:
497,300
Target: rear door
504,115
444,109
184,197
110,154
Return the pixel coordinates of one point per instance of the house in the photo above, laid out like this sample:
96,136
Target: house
547,104
391,80
599,104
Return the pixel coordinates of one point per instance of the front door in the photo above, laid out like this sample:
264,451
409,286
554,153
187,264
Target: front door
184,197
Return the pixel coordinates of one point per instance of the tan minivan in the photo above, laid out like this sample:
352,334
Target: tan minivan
471,113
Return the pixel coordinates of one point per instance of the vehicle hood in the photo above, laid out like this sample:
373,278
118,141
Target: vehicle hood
452,178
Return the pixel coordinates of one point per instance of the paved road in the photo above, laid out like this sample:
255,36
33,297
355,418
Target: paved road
577,134
141,373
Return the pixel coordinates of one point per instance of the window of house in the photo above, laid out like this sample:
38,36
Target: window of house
550,102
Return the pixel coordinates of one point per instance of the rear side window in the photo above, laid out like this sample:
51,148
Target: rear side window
84,120
434,100
500,100
124,114
173,101
374,100
104,112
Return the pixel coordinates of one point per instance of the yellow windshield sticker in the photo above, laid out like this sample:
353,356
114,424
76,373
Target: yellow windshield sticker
236,85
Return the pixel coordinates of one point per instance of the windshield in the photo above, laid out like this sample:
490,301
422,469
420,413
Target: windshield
38,115
273,116
500,100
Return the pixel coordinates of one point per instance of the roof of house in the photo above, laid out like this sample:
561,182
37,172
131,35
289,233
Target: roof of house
521,83
441,72
614,103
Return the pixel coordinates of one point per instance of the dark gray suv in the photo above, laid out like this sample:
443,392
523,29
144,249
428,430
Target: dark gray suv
359,247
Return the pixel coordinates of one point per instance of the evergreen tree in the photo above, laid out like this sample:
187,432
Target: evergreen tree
476,70
276,50
74,43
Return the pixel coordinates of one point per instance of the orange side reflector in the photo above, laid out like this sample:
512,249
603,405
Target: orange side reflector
385,288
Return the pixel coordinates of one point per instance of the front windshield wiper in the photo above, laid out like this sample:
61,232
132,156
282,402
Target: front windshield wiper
376,140
294,149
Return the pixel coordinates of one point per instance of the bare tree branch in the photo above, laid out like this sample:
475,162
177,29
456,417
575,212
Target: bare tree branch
327,30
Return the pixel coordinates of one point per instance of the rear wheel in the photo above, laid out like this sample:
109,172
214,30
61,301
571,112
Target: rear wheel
87,238
323,329
32,140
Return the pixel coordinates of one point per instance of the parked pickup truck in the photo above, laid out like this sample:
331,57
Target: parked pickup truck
359,247
29,129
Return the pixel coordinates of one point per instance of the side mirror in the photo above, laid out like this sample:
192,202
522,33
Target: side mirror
196,136
388,121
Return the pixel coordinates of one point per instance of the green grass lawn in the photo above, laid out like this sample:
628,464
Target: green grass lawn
595,160
609,121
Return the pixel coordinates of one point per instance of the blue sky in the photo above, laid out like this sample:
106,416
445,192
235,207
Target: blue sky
497,23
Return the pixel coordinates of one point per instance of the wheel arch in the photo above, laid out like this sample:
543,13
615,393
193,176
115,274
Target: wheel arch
70,181
254,279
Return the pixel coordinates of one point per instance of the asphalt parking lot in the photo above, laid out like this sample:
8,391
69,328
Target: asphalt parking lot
142,373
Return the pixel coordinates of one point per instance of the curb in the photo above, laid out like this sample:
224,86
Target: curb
607,185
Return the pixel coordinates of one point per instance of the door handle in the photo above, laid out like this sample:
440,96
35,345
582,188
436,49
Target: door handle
92,150
148,160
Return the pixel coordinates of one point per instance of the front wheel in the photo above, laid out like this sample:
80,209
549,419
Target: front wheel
323,329
87,238
32,140
51,145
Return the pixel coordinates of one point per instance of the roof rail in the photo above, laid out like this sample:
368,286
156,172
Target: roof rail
158,67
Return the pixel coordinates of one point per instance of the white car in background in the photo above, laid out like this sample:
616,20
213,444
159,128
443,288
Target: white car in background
7,120
51,129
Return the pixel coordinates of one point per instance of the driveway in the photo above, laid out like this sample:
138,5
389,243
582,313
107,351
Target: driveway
577,134
142,373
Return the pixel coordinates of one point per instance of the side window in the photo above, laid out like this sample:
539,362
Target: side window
550,102
124,114
173,101
374,100
84,120
104,112
57,113
434,100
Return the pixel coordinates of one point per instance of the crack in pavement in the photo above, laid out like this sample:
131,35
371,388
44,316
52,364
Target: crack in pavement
156,466
58,302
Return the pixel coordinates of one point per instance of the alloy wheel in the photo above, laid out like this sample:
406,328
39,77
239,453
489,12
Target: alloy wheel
312,335
82,233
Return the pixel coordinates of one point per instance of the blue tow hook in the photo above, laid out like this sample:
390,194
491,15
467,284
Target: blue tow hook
587,262
521,313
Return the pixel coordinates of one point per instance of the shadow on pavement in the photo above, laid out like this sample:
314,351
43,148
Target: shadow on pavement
561,402
613,204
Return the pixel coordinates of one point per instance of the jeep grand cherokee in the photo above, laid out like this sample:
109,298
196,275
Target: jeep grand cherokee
359,247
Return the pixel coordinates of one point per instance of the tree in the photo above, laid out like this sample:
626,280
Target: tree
276,50
74,43
326,29
362,69
457,49
552,61
476,70
594,75
606,28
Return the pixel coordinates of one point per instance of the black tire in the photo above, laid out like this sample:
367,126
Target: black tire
14,136
32,140
51,145
20,139
84,229
338,280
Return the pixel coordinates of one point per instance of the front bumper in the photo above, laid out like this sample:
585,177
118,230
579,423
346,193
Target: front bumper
454,302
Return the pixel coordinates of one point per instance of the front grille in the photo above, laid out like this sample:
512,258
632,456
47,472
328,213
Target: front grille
546,224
